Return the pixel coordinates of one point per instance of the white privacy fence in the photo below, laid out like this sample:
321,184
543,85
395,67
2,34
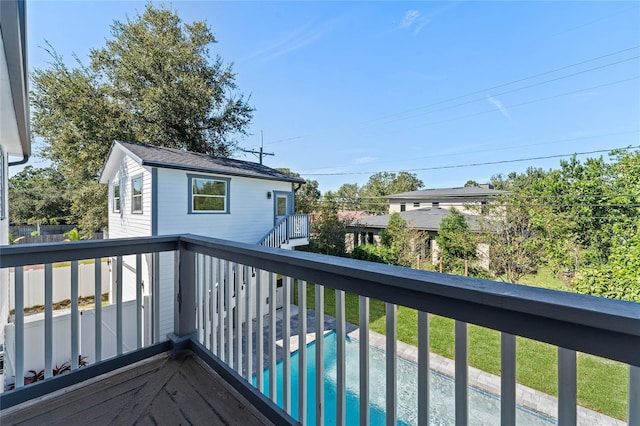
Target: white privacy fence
34,279
34,330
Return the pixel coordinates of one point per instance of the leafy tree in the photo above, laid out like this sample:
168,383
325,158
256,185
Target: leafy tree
348,196
472,183
402,241
328,230
307,196
619,279
515,243
39,196
387,183
456,242
152,82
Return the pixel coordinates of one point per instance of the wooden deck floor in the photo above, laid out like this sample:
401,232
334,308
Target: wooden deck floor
158,391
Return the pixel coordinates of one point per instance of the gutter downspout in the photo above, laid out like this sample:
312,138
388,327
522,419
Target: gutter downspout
25,158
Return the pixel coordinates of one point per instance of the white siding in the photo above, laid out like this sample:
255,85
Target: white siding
250,217
470,207
128,224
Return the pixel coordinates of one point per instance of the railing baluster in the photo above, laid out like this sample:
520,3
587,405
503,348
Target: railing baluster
286,342
461,374
155,296
319,305
508,379
341,395
213,304
567,396
228,289
391,364
48,320
273,392
237,287
75,317
138,300
199,280
19,324
248,323
97,299
423,368
207,301
119,305
220,279
259,333
302,351
634,395
364,359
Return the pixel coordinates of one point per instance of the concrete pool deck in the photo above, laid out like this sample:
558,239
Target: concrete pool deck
526,397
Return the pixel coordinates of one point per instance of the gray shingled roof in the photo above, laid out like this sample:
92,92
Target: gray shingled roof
470,191
427,219
155,156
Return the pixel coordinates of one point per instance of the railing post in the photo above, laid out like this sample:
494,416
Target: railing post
185,292
634,395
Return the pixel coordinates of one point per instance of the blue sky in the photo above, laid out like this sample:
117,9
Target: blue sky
342,89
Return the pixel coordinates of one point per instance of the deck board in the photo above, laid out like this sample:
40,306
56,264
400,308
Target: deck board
157,391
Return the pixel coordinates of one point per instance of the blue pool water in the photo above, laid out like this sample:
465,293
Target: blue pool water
484,408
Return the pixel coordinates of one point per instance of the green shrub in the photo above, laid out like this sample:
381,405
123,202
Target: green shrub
379,254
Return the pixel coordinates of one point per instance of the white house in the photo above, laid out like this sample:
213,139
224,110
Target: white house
423,210
464,199
163,191
14,129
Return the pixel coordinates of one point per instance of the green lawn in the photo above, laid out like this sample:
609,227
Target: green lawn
602,384
545,278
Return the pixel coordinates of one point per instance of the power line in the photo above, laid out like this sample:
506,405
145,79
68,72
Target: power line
454,98
492,110
556,141
456,166
511,91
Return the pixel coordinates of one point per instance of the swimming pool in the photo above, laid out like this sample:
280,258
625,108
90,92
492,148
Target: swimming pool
484,408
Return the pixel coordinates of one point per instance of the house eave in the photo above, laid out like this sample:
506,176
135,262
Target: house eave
15,94
209,170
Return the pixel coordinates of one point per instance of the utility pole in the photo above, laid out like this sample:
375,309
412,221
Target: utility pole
259,153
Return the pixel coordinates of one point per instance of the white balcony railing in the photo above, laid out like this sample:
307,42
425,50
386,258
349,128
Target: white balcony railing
288,228
220,286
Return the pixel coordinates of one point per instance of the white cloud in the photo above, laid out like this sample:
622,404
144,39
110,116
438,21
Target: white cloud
414,21
364,160
410,16
500,107
296,39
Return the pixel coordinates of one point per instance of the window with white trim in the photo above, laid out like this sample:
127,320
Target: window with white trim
116,198
136,195
208,195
